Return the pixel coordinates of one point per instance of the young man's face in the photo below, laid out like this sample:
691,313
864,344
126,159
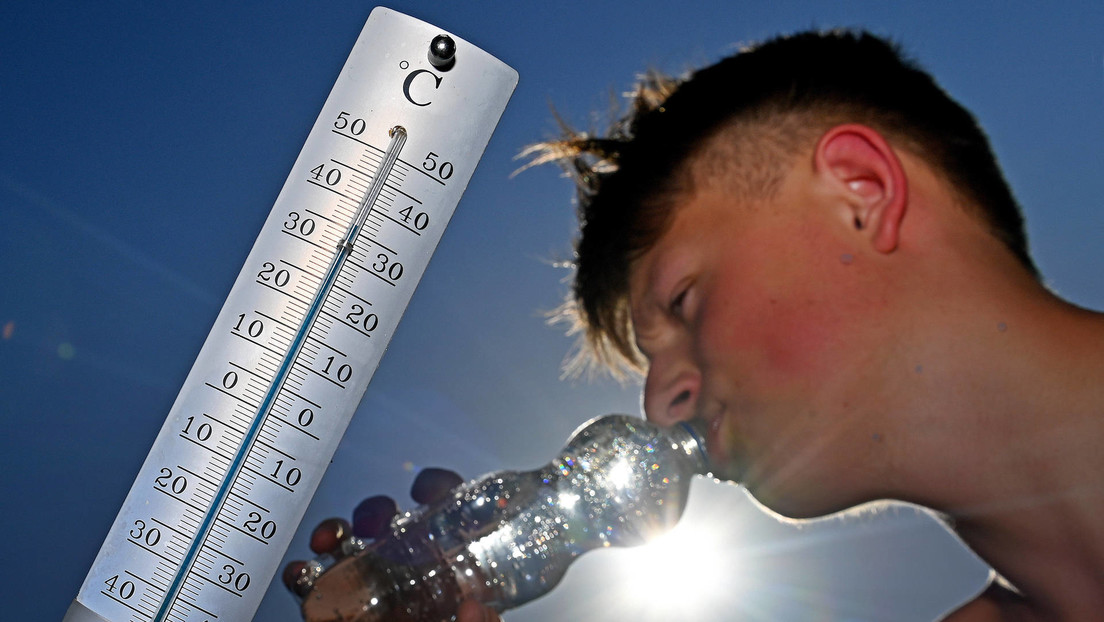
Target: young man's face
750,318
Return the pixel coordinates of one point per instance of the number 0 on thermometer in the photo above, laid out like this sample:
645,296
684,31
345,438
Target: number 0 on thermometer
226,483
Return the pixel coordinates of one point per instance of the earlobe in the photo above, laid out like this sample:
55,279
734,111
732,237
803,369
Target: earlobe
862,164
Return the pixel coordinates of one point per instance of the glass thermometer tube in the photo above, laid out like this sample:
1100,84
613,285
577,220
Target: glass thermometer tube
245,445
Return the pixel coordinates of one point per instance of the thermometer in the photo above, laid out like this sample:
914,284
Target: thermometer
220,495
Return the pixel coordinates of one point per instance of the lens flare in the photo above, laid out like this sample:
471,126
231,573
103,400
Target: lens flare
676,575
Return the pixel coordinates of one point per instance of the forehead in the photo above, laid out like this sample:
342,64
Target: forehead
709,224
696,219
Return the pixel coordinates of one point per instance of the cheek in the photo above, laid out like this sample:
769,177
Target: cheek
797,340
779,340
777,332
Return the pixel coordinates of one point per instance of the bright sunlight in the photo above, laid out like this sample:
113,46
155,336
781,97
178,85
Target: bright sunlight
676,575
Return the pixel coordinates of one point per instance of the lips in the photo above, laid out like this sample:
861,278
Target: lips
716,448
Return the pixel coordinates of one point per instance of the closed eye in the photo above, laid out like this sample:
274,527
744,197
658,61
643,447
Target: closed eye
676,305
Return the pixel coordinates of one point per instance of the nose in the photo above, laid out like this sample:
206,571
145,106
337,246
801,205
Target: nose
672,388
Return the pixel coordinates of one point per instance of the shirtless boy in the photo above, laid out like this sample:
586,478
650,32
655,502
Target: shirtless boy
810,247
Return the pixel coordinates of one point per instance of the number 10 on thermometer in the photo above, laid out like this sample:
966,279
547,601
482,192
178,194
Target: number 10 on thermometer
220,495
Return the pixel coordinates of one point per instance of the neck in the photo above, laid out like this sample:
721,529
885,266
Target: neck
999,427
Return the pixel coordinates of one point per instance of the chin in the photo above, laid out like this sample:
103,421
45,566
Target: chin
773,499
795,498
725,467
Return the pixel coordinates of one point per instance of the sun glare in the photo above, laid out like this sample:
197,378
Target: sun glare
620,474
676,575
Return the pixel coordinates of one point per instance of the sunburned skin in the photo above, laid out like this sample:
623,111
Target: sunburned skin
748,330
857,338
872,327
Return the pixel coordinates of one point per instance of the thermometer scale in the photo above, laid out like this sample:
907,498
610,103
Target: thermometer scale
223,489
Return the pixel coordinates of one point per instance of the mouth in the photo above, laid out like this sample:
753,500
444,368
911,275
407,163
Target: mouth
720,461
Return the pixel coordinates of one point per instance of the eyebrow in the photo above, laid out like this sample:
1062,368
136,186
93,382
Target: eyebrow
645,309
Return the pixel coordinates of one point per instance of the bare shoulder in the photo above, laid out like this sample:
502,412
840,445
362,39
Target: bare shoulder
996,604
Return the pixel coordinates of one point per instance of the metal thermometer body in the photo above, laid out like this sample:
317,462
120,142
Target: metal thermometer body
245,445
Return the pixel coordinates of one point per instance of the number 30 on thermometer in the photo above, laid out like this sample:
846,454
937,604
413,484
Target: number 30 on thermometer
226,483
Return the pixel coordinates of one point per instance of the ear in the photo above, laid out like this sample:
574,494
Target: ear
861,163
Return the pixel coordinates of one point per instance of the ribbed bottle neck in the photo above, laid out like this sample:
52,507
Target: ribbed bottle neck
691,438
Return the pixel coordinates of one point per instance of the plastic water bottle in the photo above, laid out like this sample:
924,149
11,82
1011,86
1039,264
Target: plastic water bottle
508,537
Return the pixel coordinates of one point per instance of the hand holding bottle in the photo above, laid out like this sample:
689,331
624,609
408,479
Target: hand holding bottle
509,537
372,519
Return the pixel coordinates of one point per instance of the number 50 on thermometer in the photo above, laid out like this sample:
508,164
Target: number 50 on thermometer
245,445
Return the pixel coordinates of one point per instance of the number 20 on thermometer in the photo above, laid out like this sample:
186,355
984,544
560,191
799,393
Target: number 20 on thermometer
220,495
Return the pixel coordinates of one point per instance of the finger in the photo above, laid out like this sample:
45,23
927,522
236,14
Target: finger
292,575
372,518
474,611
433,484
327,536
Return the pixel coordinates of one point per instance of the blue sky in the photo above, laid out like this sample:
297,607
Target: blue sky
142,147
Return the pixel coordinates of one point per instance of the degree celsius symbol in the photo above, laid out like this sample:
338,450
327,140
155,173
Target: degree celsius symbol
259,416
